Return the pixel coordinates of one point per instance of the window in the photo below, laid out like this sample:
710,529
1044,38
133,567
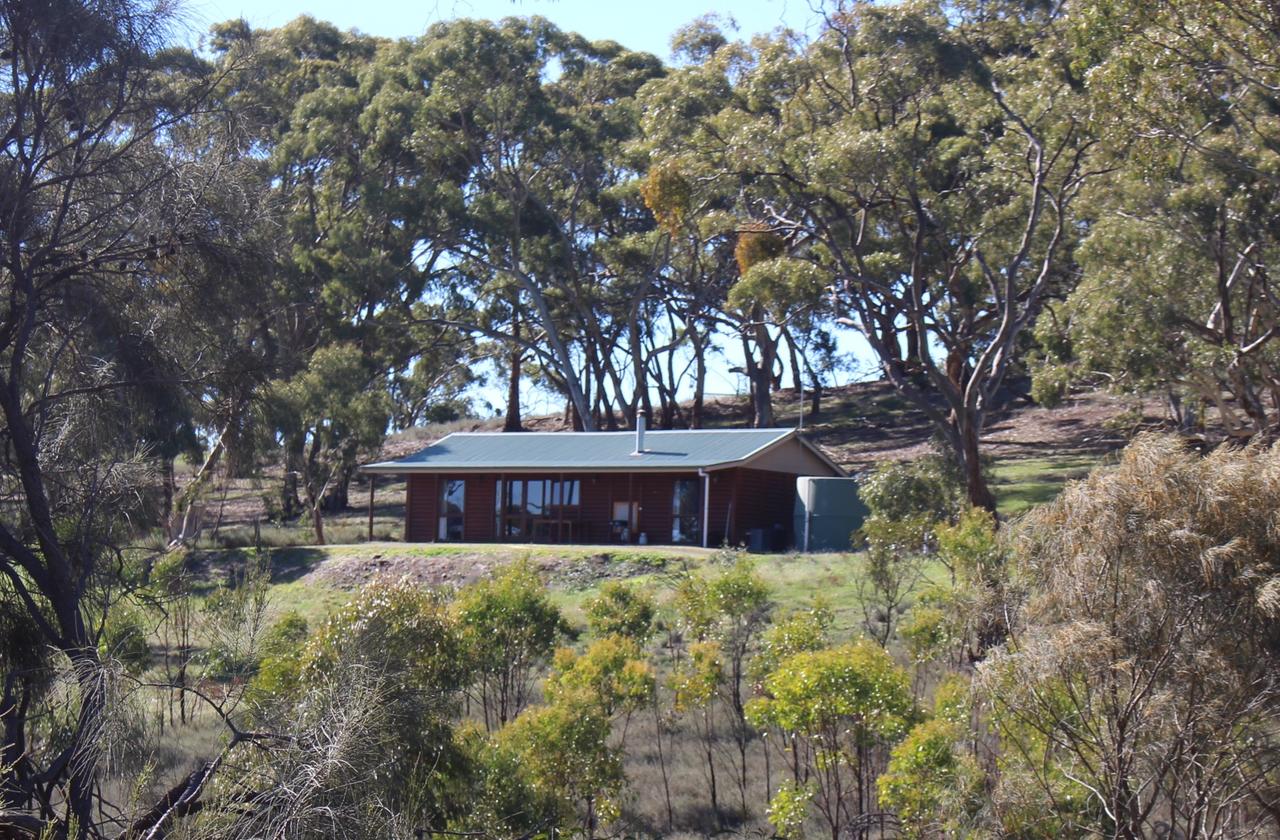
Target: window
686,511
453,495
538,509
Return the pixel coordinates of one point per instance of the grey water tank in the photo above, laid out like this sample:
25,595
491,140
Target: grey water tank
828,511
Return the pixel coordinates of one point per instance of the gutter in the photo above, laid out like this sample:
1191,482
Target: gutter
706,504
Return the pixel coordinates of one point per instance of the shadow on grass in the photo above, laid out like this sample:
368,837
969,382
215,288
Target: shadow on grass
289,564
1021,497
214,567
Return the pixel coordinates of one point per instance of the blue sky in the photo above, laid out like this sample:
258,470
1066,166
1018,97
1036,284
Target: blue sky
646,25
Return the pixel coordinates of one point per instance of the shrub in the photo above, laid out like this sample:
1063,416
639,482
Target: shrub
836,704
932,788
971,548
563,748
928,487
796,632
789,809
124,638
611,673
926,632
510,629
402,631
621,609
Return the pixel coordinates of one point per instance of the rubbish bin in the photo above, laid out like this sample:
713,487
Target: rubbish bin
756,541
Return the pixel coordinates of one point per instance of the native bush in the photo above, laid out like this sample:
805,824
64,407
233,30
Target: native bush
509,628
927,486
621,609
612,673
837,708
1150,628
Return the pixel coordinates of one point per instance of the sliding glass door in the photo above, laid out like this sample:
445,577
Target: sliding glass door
452,508
686,511
539,509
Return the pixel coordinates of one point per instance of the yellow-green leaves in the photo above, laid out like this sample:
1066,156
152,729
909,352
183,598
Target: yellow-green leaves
696,679
621,609
930,783
789,808
855,685
612,674
401,629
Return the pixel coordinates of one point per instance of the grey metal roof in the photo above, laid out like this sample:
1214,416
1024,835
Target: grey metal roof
663,450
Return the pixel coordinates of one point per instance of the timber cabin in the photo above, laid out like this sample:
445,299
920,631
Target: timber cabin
705,487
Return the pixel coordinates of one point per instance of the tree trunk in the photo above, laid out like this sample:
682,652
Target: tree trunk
975,482
699,379
560,351
512,423
290,504
337,497
169,489
317,522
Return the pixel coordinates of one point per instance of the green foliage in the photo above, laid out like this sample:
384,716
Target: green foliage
930,784
125,639
510,628
796,632
621,609
492,791
726,605
833,705
696,678
286,635
855,685
612,674
278,680
1050,383
926,487
953,700
397,630
972,548
926,630
893,565
234,619
279,674
563,749
789,809
778,284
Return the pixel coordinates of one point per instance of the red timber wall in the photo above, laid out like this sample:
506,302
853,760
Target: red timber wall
422,500
741,499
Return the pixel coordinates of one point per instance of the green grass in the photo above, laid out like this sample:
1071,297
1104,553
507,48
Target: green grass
794,578
1025,482
313,601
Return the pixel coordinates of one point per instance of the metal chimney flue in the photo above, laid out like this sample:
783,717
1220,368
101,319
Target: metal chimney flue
642,420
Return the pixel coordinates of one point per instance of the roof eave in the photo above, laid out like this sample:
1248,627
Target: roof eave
408,469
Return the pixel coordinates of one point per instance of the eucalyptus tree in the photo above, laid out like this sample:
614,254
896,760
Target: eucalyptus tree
696,266
1177,294
364,216
710,240
528,118
923,161
111,187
